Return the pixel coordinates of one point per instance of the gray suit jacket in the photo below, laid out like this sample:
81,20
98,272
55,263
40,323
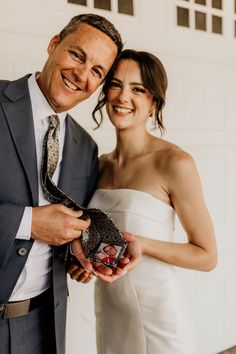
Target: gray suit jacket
19,188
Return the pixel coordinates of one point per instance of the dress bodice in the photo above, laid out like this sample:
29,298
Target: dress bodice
137,212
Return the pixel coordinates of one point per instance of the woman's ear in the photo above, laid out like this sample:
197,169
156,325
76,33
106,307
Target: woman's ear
152,109
53,44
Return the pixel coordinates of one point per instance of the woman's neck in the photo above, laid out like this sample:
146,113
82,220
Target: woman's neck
131,144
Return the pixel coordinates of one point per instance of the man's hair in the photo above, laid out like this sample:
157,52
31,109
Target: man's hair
99,22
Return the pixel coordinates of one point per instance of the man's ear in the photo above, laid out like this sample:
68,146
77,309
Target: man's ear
53,43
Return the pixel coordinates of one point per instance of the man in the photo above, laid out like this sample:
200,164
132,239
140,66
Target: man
34,234
110,252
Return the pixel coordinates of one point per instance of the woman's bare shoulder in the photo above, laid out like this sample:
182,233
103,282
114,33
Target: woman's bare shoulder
171,157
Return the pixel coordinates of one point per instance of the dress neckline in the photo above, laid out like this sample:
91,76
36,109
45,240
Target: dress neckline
136,191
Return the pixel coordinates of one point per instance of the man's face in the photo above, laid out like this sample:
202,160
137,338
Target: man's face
76,66
110,250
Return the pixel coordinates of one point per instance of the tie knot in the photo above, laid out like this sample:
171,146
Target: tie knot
54,121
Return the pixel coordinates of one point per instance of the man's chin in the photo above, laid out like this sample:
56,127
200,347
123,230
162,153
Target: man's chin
65,102
61,105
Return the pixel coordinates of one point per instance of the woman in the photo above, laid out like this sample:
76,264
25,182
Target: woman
143,183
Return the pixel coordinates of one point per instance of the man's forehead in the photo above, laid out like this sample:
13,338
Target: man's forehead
84,31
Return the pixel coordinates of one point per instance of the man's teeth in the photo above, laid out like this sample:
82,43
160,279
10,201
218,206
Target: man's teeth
69,84
123,110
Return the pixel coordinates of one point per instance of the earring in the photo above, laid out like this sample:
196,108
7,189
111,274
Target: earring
154,122
151,122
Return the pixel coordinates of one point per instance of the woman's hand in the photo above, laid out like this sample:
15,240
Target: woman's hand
85,272
131,258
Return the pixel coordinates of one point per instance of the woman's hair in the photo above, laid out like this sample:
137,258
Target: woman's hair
154,80
97,21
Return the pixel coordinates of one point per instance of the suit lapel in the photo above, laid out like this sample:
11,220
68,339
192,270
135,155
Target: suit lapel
18,113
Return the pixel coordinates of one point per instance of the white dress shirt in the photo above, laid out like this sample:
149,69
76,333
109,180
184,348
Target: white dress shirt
35,276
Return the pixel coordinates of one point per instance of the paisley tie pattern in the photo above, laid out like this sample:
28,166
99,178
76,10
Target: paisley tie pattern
52,142
49,162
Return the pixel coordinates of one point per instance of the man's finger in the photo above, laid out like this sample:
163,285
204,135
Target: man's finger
78,252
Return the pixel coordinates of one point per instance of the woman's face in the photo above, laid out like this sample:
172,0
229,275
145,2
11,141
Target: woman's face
129,103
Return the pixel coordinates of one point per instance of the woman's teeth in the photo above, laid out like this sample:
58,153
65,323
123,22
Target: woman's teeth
123,110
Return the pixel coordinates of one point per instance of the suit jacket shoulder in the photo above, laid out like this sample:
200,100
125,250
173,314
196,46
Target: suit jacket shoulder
13,90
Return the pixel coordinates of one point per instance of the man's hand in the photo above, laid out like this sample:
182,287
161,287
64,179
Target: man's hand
90,267
78,252
56,224
78,273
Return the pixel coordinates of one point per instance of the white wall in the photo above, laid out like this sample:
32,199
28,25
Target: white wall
199,115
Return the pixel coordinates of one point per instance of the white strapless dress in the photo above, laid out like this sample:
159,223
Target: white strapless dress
145,311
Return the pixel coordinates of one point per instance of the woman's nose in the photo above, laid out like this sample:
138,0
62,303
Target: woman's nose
123,96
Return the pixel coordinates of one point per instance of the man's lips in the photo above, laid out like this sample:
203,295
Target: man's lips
69,84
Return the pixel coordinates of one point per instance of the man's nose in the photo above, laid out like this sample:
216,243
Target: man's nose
81,73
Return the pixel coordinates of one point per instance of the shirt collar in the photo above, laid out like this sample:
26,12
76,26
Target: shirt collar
40,106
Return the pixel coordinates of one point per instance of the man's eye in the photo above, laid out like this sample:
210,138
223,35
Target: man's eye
76,56
97,72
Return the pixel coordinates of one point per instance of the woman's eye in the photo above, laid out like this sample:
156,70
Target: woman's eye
139,90
114,84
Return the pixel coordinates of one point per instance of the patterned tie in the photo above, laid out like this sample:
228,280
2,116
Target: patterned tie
50,155
102,227
50,158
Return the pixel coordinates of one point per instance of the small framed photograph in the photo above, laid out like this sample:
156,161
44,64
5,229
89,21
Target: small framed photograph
108,254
